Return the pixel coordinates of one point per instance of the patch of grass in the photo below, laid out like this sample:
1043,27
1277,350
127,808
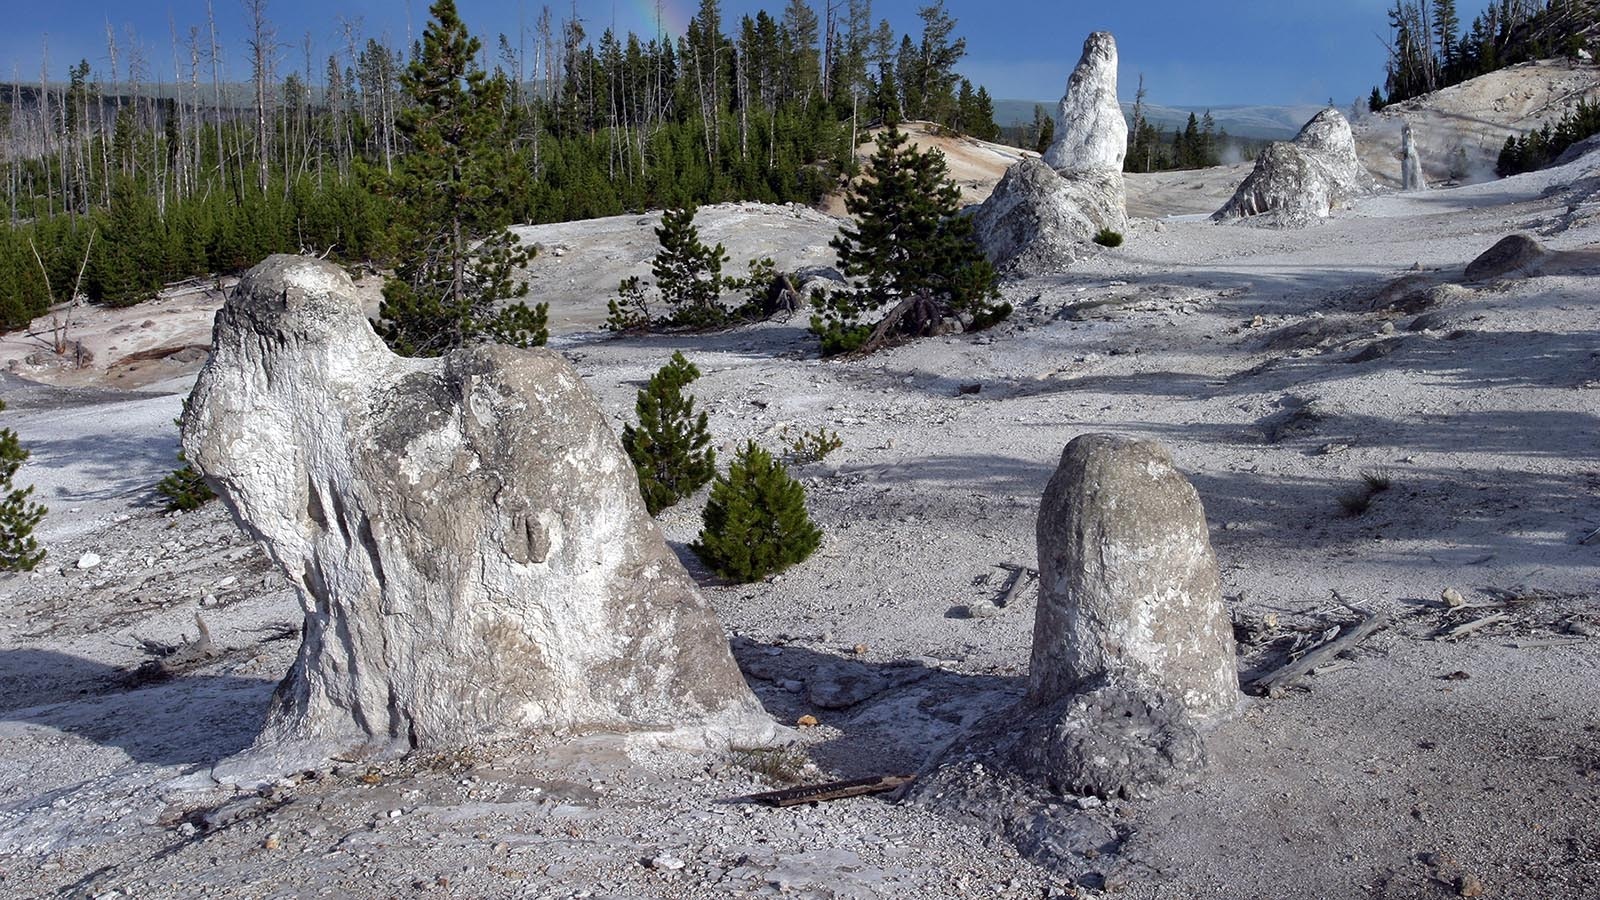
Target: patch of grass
1356,501
783,766
1106,237
813,446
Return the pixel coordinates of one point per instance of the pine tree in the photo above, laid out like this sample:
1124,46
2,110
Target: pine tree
756,522
984,126
126,269
909,242
456,256
185,488
688,273
19,550
1043,129
1446,28
671,447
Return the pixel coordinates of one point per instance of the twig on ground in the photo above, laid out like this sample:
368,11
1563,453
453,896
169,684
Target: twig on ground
1461,631
1275,683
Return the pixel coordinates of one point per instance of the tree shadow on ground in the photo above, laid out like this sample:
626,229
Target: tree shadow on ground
188,720
880,717
117,464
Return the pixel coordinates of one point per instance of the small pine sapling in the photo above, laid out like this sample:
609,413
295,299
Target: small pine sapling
185,488
755,522
629,311
19,549
671,447
813,446
1108,237
688,273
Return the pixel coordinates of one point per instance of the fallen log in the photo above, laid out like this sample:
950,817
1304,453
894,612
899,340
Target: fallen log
1275,683
834,790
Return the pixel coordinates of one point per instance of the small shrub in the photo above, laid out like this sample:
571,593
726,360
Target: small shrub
19,549
990,317
757,287
837,323
1356,501
630,310
1106,237
755,522
780,766
671,446
185,489
813,446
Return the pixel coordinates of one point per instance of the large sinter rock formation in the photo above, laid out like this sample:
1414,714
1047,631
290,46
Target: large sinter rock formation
1091,135
1300,183
1133,653
1044,211
1411,176
465,534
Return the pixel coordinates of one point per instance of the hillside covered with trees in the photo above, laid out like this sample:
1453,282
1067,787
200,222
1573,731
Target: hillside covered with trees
141,174
1430,49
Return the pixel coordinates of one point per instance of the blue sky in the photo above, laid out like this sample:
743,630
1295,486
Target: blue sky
1191,53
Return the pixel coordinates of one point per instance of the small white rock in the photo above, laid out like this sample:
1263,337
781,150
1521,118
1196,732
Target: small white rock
666,862
1090,803
89,560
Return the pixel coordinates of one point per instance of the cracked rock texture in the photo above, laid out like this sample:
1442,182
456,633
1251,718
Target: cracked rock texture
1300,183
465,535
1044,210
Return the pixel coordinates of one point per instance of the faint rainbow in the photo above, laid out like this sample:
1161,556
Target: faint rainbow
674,20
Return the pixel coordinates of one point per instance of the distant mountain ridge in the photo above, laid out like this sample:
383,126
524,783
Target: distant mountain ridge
1260,122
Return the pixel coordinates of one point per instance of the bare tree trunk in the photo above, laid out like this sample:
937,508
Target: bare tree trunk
261,46
44,122
742,88
216,88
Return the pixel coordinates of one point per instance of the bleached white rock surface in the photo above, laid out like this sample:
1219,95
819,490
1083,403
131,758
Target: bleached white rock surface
1128,584
1411,175
1091,134
465,534
1299,183
1043,211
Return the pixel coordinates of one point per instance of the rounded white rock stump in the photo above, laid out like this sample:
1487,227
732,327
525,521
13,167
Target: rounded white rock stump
465,535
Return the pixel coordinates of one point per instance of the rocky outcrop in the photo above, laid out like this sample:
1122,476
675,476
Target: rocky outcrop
1038,221
1512,254
1091,134
1128,584
465,535
1133,654
1045,211
1300,183
1411,177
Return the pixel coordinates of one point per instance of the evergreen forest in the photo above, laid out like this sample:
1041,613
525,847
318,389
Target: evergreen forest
1430,47
162,165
